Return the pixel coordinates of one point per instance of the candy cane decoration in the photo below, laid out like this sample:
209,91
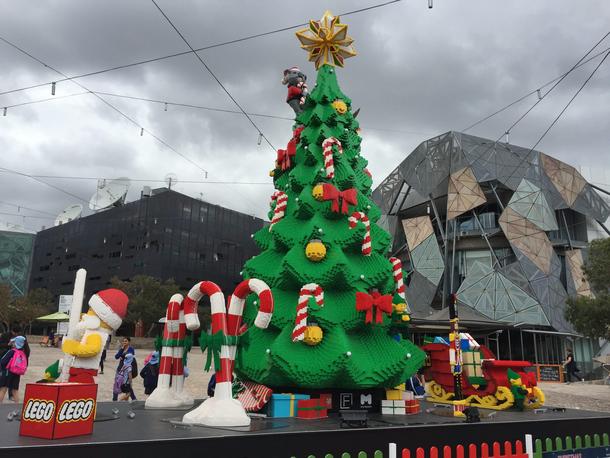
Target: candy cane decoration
398,281
366,241
170,387
280,207
327,150
300,323
222,409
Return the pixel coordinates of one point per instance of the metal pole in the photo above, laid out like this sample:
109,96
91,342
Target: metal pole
565,223
440,228
493,188
453,255
484,234
522,349
510,350
535,348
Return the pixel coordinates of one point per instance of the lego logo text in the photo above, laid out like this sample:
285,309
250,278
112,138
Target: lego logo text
76,410
36,410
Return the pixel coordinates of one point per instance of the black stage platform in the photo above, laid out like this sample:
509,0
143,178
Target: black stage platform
155,433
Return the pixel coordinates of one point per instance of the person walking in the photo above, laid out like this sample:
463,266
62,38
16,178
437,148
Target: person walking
103,358
123,381
13,365
570,366
150,373
126,349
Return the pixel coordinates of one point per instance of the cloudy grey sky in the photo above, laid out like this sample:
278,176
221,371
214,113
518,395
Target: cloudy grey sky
419,72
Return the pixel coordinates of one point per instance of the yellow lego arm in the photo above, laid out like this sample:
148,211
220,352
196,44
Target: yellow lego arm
91,347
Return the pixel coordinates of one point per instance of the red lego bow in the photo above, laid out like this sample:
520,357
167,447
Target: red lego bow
348,197
367,302
284,155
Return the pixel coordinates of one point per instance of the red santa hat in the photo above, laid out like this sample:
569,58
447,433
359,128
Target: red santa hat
294,69
110,305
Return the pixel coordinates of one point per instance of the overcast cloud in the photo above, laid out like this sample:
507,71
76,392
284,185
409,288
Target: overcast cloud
419,72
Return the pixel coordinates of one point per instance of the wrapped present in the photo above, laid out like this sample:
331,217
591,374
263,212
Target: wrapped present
393,395
471,363
311,409
412,407
327,399
408,395
393,407
285,404
471,344
254,396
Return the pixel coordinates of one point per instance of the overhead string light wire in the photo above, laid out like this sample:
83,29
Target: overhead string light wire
103,100
204,48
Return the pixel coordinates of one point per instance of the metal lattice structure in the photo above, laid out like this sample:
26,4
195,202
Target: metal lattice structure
456,168
15,255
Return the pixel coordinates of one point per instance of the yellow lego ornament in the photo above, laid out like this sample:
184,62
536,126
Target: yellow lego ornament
318,192
315,250
313,335
339,106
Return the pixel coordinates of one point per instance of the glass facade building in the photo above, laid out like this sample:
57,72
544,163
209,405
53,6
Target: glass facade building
504,227
15,258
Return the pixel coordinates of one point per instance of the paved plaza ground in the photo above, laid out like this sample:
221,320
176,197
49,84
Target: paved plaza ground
584,396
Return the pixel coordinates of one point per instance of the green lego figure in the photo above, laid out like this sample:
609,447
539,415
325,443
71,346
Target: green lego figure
517,388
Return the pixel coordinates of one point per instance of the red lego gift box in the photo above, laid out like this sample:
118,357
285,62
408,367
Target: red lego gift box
56,410
312,408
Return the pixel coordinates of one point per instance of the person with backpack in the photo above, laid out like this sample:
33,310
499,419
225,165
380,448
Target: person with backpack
123,381
150,373
13,365
125,350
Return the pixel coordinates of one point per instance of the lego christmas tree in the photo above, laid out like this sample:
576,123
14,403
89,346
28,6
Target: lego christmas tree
337,297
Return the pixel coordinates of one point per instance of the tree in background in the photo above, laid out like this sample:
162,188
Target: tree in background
35,303
591,315
148,298
7,309
323,255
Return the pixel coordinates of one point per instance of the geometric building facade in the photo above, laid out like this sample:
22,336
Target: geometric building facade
15,257
501,225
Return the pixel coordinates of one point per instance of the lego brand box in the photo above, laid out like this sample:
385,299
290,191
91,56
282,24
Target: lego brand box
285,404
56,410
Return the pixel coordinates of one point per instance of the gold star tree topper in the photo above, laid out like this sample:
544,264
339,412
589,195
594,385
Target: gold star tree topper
327,41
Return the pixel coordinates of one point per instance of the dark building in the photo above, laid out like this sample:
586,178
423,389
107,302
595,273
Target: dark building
166,235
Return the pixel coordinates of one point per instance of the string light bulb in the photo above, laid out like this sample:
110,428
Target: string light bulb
429,4
4,110
165,109
260,138
53,88
539,94
142,132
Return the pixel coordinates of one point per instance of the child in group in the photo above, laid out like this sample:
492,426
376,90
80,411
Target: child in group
150,372
13,365
122,382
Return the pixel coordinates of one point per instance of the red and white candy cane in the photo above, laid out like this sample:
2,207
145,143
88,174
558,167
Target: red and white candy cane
219,324
171,369
398,281
280,207
300,323
366,241
327,150
233,327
